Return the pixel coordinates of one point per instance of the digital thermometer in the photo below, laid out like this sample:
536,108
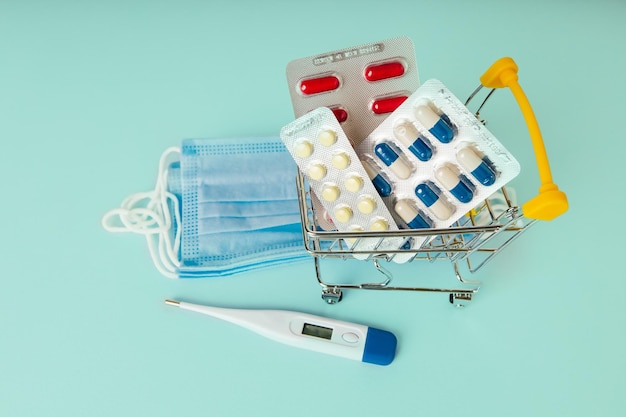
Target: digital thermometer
334,337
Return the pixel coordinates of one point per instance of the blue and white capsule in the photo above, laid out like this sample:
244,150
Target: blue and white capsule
411,215
454,184
380,183
408,134
435,204
397,165
476,166
436,125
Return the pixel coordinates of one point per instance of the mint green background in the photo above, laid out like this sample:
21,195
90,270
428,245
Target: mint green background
91,93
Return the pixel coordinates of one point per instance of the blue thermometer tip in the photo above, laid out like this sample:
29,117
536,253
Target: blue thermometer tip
380,347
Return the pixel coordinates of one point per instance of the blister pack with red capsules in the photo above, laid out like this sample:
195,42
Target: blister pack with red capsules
433,160
362,85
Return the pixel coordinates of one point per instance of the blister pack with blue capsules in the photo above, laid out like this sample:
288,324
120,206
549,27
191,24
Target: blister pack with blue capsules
434,160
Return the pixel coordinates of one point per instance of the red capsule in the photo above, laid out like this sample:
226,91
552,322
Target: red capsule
377,72
340,114
387,105
318,85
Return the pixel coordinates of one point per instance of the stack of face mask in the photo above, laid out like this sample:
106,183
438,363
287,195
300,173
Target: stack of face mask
228,206
239,206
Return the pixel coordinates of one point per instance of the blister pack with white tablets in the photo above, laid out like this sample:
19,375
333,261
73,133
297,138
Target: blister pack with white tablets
362,85
435,159
326,158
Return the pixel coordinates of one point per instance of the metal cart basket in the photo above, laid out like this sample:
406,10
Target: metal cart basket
470,243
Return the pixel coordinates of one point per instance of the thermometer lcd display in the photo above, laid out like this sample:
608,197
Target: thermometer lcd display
317,331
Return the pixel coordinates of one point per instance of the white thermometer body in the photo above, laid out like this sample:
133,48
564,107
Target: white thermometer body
333,337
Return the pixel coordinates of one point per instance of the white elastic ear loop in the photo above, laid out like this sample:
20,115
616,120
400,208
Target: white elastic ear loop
148,213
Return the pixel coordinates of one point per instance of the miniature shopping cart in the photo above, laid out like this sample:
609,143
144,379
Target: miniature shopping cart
471,242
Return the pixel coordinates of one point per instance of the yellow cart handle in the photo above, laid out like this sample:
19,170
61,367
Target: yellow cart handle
550,202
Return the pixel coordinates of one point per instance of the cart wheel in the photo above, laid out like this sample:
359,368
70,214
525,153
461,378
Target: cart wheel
460,299
332,295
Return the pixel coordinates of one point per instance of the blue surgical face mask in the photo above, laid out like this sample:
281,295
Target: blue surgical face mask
237,208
